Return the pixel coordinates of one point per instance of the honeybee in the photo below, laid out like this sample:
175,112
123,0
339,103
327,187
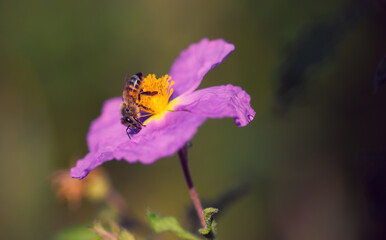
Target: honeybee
130,107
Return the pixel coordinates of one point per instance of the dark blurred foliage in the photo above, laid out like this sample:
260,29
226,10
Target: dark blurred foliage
315,170
223,202
375,185
380,76
315,44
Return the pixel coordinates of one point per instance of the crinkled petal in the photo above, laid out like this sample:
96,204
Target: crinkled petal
161,139
190,67
219,102
104,131
90,162
107,138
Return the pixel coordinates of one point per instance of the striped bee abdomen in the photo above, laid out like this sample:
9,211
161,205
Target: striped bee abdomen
135,81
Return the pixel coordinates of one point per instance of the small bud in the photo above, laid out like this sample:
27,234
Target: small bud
210,231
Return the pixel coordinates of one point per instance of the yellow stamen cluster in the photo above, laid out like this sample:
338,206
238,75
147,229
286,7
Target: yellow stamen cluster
159,103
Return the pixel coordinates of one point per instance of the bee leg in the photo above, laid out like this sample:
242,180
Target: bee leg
140,123
127,132
148,93
146,108
139,105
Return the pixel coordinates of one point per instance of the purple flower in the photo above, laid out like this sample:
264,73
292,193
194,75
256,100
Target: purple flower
176,112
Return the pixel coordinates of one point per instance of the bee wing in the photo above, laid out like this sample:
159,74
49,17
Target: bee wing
126,88
126,80
131,87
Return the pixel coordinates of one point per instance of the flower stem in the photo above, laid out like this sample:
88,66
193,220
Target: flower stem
183,154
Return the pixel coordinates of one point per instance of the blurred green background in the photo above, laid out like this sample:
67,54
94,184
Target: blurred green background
314,156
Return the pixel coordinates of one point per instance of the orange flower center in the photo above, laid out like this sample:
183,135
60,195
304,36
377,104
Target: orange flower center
157,105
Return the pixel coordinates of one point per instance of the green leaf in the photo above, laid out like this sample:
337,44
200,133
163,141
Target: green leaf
210,231
125,235
78,232
163,224
102,232
115,233
108,213
114,227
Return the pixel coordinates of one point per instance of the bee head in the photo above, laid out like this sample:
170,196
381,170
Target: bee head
127,121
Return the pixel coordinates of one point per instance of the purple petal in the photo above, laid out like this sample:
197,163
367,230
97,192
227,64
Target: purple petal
193,63
219,102
107,138
104,135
